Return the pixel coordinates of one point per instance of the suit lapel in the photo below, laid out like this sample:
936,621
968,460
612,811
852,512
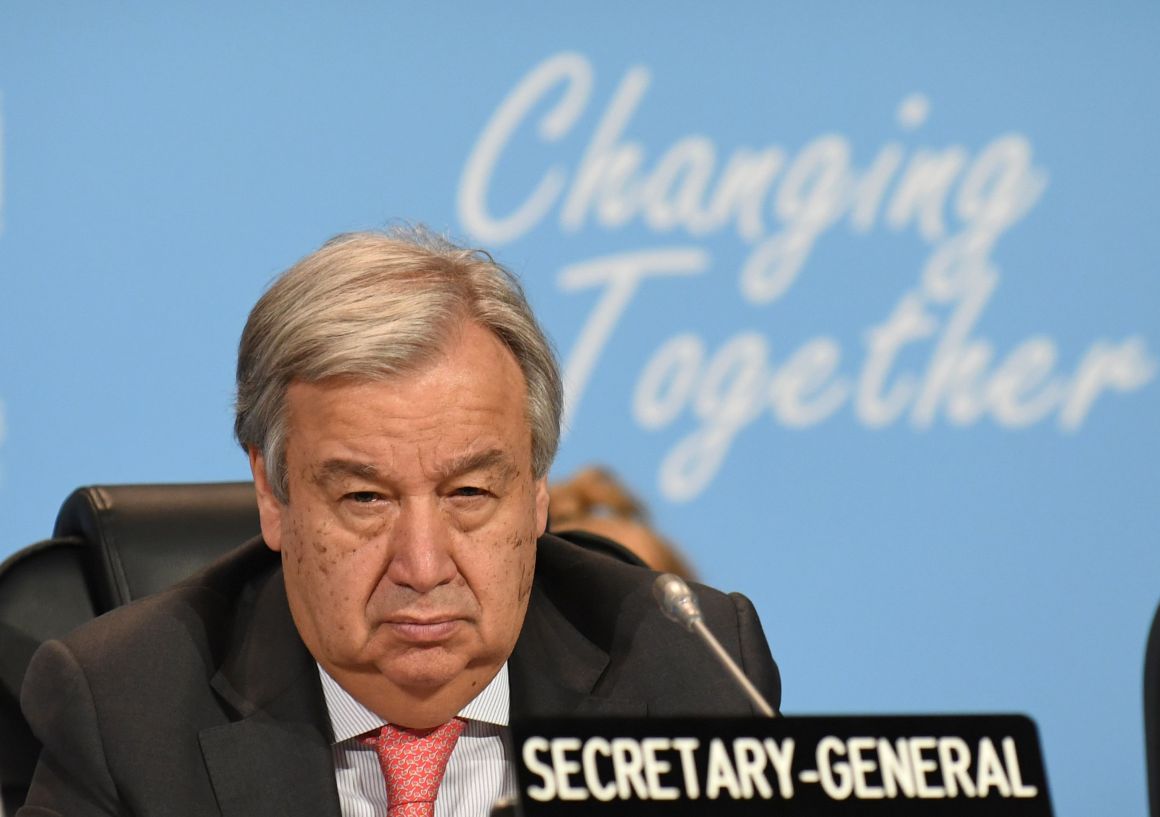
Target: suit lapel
554,669
276,759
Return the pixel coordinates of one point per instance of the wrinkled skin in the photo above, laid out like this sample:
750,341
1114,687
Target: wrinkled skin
408,537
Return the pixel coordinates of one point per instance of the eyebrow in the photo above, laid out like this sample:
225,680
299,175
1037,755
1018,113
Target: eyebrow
465,463
479,461
332,469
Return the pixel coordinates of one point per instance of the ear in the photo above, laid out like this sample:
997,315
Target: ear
541,505
269,507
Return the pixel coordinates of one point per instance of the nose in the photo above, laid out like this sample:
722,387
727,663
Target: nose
420,550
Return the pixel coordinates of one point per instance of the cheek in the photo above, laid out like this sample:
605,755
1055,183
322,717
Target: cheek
330,568
308,547
524,551
510,579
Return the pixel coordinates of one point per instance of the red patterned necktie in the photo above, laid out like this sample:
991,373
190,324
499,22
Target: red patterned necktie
413,763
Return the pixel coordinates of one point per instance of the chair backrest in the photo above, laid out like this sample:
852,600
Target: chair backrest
43,594
111,544
1152,714
144,538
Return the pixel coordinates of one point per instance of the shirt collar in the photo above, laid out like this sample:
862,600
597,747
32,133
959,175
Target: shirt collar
349,718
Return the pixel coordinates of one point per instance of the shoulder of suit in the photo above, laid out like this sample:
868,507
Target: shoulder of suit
573,556
608,588
193,612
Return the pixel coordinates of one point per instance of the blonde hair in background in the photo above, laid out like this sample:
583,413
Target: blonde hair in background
594,500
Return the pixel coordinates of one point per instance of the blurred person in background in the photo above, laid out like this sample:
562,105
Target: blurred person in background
594,500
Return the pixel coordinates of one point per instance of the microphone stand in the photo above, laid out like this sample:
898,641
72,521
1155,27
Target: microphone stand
678,602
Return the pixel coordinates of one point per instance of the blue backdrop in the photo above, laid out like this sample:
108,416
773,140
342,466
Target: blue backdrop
862,298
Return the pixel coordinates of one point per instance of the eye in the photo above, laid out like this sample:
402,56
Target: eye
362,497
469,491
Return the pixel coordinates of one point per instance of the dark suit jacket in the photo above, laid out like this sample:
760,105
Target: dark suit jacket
203,700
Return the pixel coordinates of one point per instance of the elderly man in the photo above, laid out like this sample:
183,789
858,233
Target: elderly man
400,409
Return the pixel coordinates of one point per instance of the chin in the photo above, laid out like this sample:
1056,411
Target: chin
423,671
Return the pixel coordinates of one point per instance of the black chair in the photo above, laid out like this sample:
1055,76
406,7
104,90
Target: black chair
1152,714
111,544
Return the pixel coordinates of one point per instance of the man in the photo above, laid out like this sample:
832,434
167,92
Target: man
400,409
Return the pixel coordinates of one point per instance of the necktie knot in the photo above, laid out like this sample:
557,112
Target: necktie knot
413,762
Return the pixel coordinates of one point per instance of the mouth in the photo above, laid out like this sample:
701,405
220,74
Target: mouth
423,631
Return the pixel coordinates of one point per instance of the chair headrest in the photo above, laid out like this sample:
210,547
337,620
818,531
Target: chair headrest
145,538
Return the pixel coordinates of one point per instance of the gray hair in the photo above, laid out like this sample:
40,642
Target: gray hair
377,305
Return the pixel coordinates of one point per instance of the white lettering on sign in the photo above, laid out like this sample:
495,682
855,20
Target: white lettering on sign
721,775
780,203
657,768
751,768
618,769
925,768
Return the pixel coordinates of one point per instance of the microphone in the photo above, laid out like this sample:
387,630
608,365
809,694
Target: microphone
678,602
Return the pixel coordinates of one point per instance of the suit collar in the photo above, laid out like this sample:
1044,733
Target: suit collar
276,758
555,669
267,657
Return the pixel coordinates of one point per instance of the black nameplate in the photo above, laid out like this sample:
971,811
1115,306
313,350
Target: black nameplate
929,765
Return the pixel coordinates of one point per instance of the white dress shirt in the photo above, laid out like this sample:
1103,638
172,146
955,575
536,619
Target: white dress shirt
478,773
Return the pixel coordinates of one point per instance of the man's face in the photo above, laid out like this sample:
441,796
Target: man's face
408,538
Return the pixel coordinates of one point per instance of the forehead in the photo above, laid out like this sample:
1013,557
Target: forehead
470,398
